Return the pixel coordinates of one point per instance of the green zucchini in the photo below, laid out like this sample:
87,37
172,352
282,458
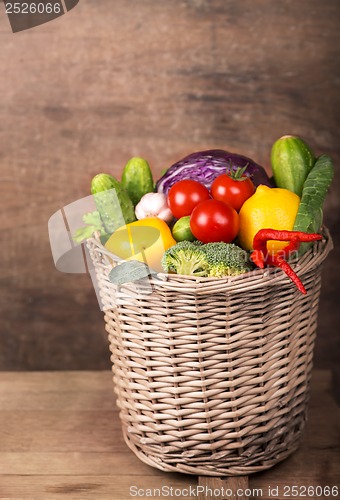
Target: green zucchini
315,188
291,160
112,201
137,179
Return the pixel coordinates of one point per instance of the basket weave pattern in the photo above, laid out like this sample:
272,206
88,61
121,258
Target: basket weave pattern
212,376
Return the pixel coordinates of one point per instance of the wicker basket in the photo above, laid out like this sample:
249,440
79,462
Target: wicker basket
212,376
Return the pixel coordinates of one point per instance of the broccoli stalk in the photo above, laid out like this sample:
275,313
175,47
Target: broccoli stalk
226,259
186,258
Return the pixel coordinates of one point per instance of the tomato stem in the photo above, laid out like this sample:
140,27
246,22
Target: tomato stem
237,175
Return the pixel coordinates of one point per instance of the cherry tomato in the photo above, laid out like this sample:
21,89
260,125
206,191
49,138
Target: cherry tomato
232,190
213,220
185,195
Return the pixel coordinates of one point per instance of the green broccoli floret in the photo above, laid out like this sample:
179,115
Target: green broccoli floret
186,258
226,259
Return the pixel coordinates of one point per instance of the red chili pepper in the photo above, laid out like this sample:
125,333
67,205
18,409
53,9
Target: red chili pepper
261,257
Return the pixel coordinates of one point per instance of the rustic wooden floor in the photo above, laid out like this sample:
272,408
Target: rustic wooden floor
105,82
60,437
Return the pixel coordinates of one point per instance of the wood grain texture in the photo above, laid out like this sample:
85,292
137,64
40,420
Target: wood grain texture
108,81
60,436
237,486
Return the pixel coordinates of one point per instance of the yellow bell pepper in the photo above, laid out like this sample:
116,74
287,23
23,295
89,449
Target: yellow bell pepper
144,240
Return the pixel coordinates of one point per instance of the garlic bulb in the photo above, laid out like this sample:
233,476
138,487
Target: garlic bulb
154,205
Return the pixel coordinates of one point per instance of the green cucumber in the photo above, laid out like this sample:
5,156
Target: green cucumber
137,179
112,201
291,160
309,215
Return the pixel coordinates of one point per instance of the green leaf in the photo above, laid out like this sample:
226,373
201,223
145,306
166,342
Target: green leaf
127,272
315,188
83,233
93,219
94,222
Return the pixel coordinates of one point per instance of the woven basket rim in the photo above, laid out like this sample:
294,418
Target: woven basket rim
253,279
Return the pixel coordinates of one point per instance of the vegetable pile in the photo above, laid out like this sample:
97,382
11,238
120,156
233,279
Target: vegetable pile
213,214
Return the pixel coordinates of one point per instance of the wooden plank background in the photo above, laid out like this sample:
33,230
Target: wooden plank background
110,80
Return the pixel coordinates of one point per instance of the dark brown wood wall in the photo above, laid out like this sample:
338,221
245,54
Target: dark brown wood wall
159,79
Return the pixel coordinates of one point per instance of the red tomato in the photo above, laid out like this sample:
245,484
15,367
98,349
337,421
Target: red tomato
234,191
185,195
213,220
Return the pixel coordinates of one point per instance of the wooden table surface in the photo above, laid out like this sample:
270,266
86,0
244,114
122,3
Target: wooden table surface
60,437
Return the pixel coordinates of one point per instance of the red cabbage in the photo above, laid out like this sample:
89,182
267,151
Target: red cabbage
205,166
